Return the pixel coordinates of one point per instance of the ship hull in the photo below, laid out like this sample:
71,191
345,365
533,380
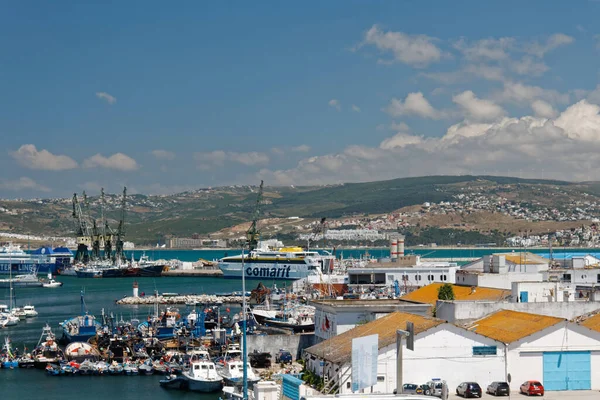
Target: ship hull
151,270
264,271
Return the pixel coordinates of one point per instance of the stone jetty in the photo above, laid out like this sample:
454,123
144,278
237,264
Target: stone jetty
180,299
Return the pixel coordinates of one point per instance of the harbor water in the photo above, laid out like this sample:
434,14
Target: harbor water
57,304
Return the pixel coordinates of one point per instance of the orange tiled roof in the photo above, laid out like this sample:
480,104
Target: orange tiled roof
429,293
508,326
592,323
525,259
338,349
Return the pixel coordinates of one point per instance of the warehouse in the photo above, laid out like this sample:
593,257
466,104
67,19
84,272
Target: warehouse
441,350
560,354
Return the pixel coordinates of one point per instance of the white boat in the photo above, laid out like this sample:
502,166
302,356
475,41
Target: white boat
30,311
286,263
233,373
6,316
19,313
52,284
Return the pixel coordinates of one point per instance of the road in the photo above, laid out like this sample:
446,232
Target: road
566,395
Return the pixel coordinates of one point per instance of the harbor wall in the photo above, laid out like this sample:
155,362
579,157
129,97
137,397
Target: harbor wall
273,343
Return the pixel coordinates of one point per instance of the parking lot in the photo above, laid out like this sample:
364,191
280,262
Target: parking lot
571,395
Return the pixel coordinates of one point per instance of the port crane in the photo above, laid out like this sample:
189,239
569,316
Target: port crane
121,228
107,231
82,231
253,234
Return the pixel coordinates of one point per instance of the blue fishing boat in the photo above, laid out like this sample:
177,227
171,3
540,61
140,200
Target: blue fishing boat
80,328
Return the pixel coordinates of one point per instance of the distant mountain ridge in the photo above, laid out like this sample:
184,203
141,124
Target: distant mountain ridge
208,210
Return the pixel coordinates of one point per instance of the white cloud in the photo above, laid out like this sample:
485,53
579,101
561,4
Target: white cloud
106,97
524,94
476,108
414,104
355,108
528,66
552,42
303,148
23,183
415,50
399,127
218,158
509,146
118,161
543,109
335,104
485,49
163,154
30,157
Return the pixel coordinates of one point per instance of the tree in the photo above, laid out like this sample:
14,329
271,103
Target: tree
446,292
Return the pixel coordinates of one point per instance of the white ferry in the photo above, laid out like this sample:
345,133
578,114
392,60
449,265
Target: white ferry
286,263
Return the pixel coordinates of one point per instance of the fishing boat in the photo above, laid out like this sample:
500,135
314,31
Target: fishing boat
232,373
47,350
88,272
115,368
8,361
80,328
25,280
130,368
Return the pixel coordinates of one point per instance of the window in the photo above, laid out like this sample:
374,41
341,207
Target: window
381,379
598,279
348,385
445,277
567,277
485,350
441,277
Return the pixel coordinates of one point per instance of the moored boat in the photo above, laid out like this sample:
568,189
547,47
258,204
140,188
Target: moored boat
47,350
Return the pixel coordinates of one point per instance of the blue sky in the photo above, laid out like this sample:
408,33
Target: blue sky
164,99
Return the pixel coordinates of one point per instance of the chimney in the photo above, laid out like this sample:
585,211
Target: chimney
473,289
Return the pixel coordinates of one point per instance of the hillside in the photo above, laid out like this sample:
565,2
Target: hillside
203,211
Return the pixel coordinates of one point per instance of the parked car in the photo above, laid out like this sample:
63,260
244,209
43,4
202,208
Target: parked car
283,356
469,389
498,389
412,388
436,386
532,387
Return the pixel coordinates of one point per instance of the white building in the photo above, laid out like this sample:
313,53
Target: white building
334,317
441,350
409,271
501,270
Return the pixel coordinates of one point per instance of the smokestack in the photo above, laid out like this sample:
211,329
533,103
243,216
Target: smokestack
394,249
401,246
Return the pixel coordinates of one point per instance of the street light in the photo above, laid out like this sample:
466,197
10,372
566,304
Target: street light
244,350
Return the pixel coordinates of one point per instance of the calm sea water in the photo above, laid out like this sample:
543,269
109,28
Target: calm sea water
56,305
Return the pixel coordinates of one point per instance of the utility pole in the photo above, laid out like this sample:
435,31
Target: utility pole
409,333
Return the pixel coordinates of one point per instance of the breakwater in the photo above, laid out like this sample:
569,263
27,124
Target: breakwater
180,299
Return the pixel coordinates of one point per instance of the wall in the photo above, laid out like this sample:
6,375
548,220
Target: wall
472,310
272,343
444,352
525,357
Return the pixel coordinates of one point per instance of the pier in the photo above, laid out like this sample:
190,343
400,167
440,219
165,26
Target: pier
193,272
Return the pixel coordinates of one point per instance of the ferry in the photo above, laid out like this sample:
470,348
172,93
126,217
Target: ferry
286,263
43,260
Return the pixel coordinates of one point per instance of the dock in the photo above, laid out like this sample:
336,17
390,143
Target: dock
175,298
194,272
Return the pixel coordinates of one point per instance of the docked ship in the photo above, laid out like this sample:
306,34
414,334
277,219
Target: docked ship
15,260
286,263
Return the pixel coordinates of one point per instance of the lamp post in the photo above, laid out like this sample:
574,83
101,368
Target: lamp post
244,350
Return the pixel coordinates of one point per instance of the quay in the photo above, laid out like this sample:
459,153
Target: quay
194,272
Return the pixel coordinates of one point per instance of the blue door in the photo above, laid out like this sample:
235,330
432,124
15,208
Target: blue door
567,370
524,297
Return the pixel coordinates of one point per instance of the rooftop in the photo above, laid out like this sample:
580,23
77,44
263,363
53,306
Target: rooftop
429,293
363,302
592,323
508,326
524,258
338,349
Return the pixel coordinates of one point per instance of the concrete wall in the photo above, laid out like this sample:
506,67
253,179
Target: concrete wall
272,343
470,310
